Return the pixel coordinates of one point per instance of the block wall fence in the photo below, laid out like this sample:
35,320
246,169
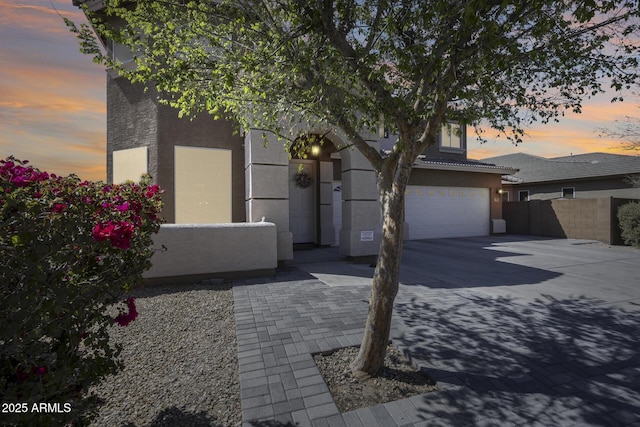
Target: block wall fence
594,219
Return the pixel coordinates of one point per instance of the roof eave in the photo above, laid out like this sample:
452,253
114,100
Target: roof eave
582,178
498,170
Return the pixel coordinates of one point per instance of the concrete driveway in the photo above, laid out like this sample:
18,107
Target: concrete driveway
527,270
516,330
521,268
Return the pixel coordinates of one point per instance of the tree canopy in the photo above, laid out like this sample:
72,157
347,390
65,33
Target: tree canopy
627,130
348,63
352,65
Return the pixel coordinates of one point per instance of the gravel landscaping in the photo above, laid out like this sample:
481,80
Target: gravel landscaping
180,358
398,379
181,365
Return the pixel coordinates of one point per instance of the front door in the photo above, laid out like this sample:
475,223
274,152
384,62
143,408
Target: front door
302,201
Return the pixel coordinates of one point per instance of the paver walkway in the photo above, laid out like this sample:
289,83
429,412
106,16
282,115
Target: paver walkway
498,361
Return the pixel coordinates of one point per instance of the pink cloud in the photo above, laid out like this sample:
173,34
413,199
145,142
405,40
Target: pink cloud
575,133
53,108
40,17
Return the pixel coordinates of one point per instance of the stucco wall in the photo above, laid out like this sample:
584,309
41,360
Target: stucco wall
135,119
212,250
131,122
203,131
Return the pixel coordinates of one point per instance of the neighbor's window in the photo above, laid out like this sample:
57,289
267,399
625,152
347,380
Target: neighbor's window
523,195
568,192
451,136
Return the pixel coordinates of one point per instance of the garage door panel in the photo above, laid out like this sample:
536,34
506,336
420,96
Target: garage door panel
434,212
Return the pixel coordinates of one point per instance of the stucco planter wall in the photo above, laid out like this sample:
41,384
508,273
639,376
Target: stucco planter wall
213,250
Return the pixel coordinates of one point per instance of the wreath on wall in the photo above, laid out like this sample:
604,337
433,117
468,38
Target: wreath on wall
303,180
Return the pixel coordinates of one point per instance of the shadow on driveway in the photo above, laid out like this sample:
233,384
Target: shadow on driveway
470,262
555,362
436,263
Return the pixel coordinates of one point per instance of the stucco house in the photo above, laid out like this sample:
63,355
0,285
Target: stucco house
213,172
577,176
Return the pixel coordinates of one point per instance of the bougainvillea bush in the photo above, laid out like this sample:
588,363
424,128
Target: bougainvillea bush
70,250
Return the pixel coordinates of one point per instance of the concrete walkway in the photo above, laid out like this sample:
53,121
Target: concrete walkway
516,332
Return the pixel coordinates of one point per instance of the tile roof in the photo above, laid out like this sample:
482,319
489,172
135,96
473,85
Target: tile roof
462,162
458,164
581,166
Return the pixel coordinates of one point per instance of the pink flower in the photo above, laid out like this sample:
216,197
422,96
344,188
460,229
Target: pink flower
119,233
122,233
136,206
151,191
19,175
39,371
58,207
103,231
137,220
123,207
124,319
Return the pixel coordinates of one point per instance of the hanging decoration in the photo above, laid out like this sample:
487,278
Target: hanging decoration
303,180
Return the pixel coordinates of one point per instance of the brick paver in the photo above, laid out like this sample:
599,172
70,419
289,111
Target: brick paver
496,362
280,325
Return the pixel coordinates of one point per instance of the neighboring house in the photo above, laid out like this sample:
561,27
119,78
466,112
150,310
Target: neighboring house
578,176
212,174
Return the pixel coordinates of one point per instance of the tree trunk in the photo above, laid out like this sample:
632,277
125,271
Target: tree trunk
370,359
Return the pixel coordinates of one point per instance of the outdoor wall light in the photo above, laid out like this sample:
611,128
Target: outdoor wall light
499,191
315,150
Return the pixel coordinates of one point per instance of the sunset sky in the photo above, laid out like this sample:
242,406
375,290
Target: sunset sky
53,112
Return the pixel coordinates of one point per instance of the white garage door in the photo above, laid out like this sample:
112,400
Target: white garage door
433,212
